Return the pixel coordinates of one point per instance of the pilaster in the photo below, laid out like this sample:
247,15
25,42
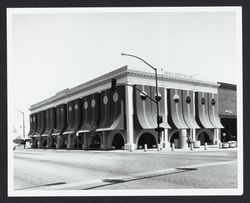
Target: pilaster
130,145
183,139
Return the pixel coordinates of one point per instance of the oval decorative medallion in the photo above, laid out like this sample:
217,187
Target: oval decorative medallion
85,105
93,103
115,97
105,99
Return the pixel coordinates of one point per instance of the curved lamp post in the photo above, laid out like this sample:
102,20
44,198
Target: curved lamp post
157,98
23,122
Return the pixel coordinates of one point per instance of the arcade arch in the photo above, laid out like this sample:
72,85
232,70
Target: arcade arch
205,135
118,141
147,138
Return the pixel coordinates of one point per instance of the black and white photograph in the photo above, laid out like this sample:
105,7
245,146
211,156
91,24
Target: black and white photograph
133,101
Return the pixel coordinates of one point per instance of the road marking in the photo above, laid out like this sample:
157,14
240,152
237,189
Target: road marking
91,184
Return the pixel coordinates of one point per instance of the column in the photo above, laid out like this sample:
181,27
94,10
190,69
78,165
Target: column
165,132
58,141
104,141
84,138
130,145
39,141
216,138
49,141
193,134
70,144
183,139
166,143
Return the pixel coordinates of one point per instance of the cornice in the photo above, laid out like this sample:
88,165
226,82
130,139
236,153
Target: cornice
97,82
119,73
172,78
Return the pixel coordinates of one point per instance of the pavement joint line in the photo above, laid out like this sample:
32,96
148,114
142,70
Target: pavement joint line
124,178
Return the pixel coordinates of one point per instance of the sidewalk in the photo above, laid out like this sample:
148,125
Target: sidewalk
210,148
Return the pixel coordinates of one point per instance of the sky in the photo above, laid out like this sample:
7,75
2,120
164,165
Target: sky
54,51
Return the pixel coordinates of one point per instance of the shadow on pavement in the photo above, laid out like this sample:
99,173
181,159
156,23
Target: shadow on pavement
49,184
117,181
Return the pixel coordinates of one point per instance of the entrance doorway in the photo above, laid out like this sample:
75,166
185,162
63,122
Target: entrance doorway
148,139
64,141
204,137
229,132
53,141
95,142
175,136
34,142
118,141
175,139
44,142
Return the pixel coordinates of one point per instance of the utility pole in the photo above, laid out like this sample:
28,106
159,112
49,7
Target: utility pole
23,122
157,98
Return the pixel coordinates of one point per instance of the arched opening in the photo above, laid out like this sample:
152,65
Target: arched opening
53,142
34,142
175,139
118,142
175,136
79,141
95,142
148,139
64,141
44,142
74,140
204,137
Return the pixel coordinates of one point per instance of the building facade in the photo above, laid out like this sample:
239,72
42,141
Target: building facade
227,111
93,116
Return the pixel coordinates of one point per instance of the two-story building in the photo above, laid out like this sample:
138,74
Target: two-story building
93,116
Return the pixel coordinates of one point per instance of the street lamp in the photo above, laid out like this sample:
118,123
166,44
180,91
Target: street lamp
157,97
23,122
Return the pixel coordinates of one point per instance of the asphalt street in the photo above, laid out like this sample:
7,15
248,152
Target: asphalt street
39,169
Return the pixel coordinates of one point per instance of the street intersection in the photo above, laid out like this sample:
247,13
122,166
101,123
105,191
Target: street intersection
41,169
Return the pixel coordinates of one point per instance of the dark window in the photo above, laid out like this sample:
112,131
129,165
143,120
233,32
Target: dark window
188,99
213,102
203,101
176,98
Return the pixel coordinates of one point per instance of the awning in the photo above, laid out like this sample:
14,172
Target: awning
71,115
112,110
44,135
213,110
33,125
117,123
49,122
56,133
175,110
188,109
40,124
61,119
143,108
162,106
68,132
83,131
91,112
201,104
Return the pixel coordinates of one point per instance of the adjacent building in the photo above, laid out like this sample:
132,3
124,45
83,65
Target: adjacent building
227,111
93,116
